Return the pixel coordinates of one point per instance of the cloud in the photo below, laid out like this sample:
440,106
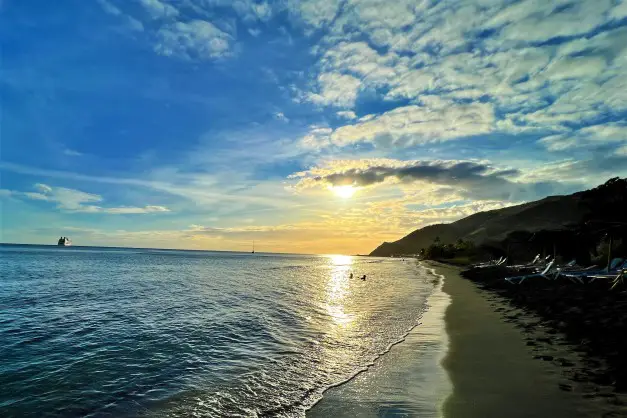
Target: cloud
200,188
129,22
493,55
336,89
595,136
135,210
158,9
72,153
346,114
109,7
434,120
197,39
313,14
43,188
281,117
72,200
468,179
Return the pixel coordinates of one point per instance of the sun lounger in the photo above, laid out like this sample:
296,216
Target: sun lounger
491,263
611,274
531,264
614,268
544,273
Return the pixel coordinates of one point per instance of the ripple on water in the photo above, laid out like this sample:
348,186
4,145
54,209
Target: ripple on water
154,333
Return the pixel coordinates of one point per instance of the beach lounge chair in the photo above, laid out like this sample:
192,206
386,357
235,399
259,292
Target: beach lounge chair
611,273
532,263
621,277
611,270
491,263
544,273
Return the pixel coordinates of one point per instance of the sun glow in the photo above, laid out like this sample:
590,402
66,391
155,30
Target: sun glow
344,191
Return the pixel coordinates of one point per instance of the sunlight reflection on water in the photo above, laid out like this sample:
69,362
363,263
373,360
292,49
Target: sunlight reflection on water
338,289
193,333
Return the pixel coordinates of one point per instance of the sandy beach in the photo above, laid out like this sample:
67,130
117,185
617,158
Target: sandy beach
495,365
492,366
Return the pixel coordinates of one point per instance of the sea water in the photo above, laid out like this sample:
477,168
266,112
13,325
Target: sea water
88,331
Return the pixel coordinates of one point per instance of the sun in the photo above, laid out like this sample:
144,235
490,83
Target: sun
344,191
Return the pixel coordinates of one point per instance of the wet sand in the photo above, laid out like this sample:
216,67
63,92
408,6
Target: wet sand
492,367
494,364
407,381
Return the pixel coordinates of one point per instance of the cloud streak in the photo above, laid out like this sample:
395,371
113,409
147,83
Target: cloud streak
72,200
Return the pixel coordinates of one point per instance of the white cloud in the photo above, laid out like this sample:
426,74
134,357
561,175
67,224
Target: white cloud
346,114
72,153
336,89
109,7
281,116
477,50
619,11
436,120
313,13
197,39
73,200
43,188
130,22
537,20
135,210
317,138
158,9
575,67
589,137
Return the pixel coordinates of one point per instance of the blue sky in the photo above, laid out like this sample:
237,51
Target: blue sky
308,126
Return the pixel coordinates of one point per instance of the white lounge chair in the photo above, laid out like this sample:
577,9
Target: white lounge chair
532,263
544,273
491,263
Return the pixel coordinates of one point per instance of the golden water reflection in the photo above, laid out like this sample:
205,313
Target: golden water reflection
338,289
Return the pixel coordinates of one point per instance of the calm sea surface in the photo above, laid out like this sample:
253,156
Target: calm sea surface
88,331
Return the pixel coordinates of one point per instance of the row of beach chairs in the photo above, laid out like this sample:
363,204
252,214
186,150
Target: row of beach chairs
548,269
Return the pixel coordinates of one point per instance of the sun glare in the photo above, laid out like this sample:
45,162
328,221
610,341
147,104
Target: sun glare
344,191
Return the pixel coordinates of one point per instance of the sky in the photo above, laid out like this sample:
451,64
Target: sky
314,126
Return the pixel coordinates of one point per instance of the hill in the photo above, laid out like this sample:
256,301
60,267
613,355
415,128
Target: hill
607,202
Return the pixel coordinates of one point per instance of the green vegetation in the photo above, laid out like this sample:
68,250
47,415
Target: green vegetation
577,226
437,250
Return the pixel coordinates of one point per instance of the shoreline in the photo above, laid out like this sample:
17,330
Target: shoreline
496,369
395,384
493,360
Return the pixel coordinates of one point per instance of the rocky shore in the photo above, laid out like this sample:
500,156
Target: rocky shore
590,317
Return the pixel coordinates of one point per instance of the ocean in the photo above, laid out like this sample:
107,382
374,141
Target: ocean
94,332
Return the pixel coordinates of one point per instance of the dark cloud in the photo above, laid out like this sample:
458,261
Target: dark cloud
471,180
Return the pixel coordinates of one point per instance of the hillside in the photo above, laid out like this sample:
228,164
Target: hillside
606,202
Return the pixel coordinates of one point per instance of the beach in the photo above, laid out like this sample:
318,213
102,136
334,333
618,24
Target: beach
408,380
492,367
494,363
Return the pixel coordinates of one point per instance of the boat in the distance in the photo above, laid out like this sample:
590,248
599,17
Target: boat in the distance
64,242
